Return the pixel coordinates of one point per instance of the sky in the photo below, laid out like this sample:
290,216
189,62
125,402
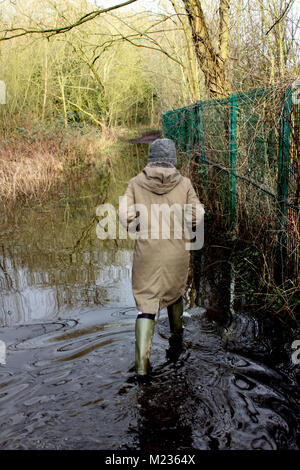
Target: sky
152,5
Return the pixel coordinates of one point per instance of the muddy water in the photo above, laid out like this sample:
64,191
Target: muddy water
67,318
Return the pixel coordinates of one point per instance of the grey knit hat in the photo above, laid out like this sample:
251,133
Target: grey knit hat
162,150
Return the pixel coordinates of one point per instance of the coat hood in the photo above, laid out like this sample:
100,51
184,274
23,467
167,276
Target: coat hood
158,179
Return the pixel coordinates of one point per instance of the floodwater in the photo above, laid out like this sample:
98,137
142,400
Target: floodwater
67,319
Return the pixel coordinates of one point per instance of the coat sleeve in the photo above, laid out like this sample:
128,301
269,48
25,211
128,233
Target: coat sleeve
127,212
195,209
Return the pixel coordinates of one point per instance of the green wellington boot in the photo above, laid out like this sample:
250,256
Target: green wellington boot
175,312
144,330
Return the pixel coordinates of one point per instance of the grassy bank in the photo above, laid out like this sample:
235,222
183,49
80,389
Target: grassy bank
36,161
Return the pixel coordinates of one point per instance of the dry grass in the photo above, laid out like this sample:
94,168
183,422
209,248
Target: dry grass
32,168
26,170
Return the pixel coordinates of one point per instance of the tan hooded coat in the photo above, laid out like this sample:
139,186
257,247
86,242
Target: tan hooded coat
160,264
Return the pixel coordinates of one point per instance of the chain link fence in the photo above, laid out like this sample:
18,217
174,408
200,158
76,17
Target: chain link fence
246,148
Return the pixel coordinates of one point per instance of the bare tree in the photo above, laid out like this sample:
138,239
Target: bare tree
212,60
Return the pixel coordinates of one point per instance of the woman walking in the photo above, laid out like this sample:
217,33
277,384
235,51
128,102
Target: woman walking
161,258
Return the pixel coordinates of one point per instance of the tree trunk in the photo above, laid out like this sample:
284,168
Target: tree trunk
191,69
211,60
45,82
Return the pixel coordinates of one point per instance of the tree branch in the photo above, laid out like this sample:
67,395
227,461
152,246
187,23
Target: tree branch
223,29
281,16
53,31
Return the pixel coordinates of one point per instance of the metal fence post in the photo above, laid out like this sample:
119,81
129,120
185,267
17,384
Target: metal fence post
200,143
232,158
190,130
181,131
283,187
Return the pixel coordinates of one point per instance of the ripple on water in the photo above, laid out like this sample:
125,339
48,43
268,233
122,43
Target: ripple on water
76,381
36,341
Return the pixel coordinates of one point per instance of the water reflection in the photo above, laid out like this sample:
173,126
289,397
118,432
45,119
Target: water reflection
52,261
102,277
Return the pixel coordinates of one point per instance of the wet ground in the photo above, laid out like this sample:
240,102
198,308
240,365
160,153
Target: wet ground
67,318
146,137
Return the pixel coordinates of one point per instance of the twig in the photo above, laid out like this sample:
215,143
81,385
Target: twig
281,16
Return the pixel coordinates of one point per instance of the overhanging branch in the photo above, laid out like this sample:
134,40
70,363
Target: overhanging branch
18,32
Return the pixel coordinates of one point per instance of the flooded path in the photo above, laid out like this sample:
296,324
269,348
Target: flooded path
67,317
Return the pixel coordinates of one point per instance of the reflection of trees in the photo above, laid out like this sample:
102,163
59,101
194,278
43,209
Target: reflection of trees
53,258
209,279
84,281
5,279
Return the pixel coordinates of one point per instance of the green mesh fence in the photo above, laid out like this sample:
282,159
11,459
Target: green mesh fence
246,147
289,186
